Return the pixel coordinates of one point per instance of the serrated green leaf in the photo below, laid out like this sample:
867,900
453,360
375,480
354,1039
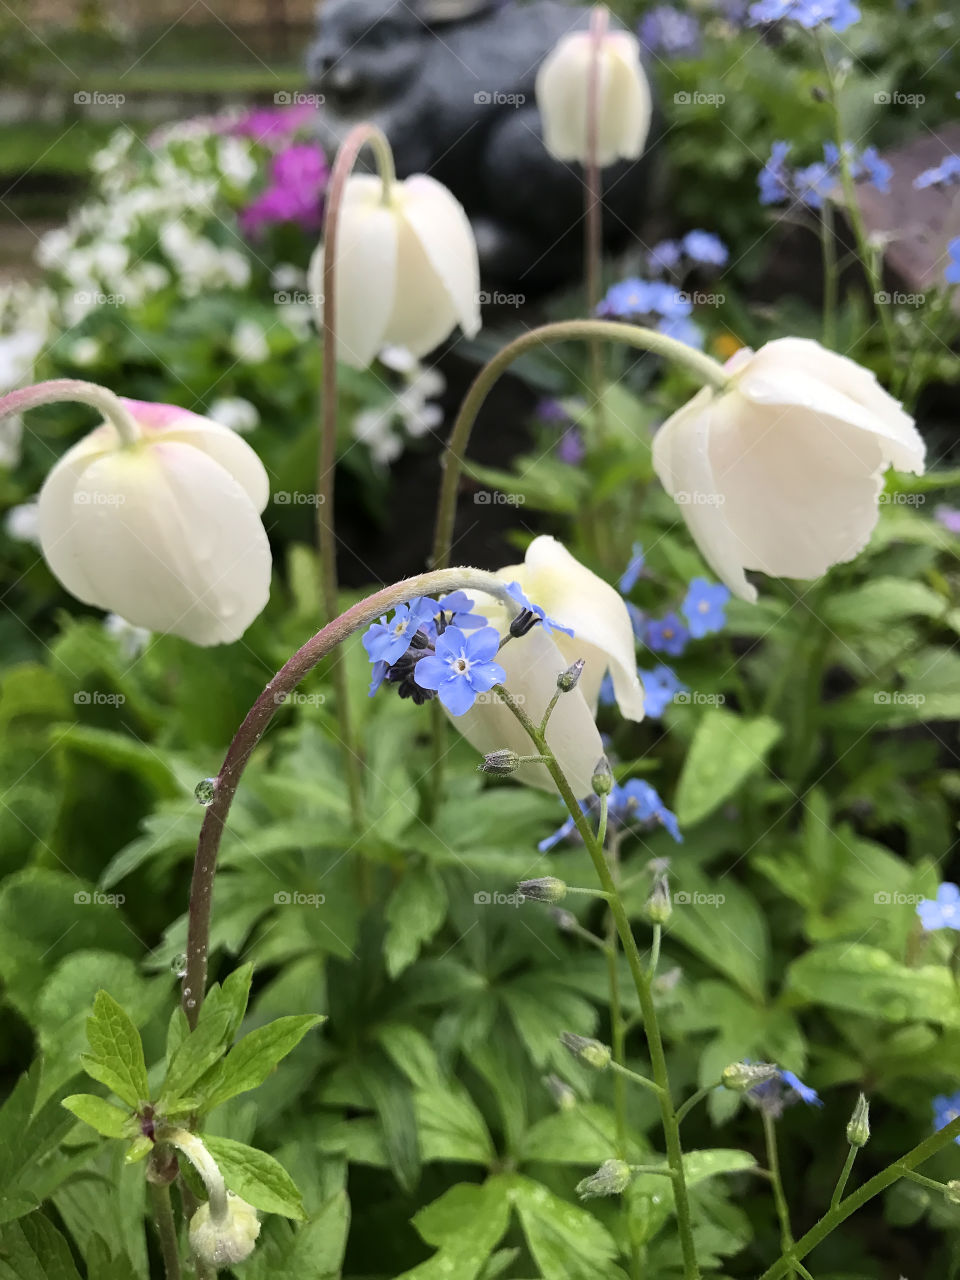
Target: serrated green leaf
256,1176
231,997
726,749
567,1242
195,1056
108,1120
117,1051
249,1063
33,1249
869,982
414,913
465,1225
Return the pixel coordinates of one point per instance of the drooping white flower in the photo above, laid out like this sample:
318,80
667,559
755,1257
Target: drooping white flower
166,531
624,104
782,471
572,595
407,271
222,1241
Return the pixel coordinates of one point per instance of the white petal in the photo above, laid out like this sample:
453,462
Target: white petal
628,107
164,536
800,371
366,271
217,441
681,459
800,488
440,223
532,664
576,597
423,313
561,90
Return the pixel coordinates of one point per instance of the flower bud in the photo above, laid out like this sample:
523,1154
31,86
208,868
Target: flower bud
658,904
500,762
570,678
612,1178
546,889
564,920
560,1091
525,621
590,1052
602,777
952,1191
221,1241
740,1076
858,1128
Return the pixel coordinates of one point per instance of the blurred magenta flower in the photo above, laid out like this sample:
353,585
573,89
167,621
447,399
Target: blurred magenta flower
298,179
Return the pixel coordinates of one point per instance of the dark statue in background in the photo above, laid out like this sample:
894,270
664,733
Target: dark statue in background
451,83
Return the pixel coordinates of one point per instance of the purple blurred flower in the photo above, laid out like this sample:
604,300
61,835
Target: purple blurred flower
298,178
952,273
949,517
670,31
571,448
271,124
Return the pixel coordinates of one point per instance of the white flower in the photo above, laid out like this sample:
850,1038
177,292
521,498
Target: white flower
236,413
11,435
166,532
219,1242
22,523
570,594
235,161
249,342
132,640
407,271
18,352
783,471
85,351
374,428
624,105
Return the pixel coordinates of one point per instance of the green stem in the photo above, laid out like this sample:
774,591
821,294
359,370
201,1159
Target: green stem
346,158
658,1062
695,1098
901,1168
773,1164
166,1229
844,1177
867,256
635,1078
828,243
706,370
930,1183
655,950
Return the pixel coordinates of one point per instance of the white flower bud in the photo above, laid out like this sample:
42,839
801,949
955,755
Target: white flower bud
227,1239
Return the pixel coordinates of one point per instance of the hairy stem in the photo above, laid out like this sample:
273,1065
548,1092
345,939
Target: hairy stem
254,726
702,367
346,158
780,1199
166,1229
844,1177
59,390
857,1199
658,1062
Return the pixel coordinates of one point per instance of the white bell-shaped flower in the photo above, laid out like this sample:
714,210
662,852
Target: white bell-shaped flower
624,104
783,470
406,272
164,531
572,595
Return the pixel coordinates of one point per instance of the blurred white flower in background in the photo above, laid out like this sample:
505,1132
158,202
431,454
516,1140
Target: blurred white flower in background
409,411
85,351
22,523
132,640
236,413
249,342
11,437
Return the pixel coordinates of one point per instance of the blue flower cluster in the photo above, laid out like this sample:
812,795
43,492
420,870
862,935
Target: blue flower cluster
785,1088
699,248
814,183
570,447
655,302
952,272
632,804
943,911
670,31
942,175
435,649
836,14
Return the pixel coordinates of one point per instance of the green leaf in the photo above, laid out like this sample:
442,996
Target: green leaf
720,920
233,997
195,1056
108,1120
117,1051
414,913
869,982
33,1249
464,1225
726,749
567,1242
257,1177
249,1063
700,1165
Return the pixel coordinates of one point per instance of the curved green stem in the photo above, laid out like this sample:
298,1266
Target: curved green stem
354,143
658,1062
702,367
696,1098
844,1177
773,1164
856,1200
166,1229
59,390
255,725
